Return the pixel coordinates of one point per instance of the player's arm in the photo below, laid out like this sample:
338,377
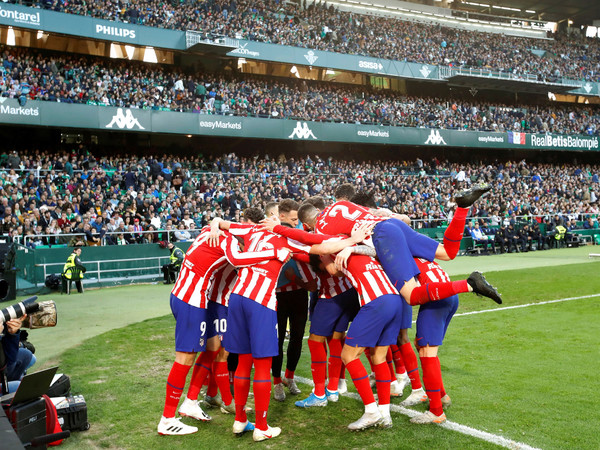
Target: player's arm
335,246
329,265
238,258
341,260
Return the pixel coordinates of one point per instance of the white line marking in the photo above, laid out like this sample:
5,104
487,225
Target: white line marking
505,308
449,425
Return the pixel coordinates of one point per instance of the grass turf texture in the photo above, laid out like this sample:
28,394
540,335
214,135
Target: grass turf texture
520,373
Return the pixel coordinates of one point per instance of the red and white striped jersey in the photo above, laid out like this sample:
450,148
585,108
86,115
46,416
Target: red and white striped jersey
307,274
368,278
258,282
431,272
202,260
331,286
343,217
223,281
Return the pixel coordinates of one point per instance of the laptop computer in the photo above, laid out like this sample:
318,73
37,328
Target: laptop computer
33,385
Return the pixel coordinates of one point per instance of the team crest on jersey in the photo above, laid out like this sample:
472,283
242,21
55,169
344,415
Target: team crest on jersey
201,342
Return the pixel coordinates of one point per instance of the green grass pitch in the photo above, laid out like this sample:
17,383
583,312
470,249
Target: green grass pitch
526,374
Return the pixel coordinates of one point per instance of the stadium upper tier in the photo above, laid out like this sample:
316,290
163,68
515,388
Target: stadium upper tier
48,193
325,28
67,78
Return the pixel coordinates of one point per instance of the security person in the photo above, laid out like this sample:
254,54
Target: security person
175,260
70,272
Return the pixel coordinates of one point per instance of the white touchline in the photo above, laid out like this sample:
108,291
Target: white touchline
483,435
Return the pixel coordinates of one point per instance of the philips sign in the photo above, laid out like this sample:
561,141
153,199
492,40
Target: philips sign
115,31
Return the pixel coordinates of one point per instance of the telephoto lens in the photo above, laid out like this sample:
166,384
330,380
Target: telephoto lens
19,309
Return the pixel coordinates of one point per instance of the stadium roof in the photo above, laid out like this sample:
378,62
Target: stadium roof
582,12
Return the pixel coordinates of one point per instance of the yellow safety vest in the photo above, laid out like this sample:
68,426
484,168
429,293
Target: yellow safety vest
67,271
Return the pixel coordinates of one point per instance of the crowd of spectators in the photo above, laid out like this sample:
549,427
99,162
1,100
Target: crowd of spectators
322,27
80,79
64,198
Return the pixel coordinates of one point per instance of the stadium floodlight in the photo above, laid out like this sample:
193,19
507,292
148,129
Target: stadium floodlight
530,11
10,37
294,70
551,96
150,55
130,51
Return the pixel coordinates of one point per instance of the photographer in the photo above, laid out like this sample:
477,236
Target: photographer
9,354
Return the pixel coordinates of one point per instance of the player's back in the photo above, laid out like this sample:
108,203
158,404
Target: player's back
342,217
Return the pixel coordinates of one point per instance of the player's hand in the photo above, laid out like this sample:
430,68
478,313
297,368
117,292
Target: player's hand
362,232
269,223
403,217
283,255
14,325
341,260
214,236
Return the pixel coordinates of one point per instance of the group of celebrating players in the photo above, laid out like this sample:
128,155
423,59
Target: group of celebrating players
366,268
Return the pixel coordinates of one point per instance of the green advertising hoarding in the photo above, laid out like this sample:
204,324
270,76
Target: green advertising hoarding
53,114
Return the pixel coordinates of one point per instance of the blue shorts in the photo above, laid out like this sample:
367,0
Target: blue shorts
397,245
333,314
433,321
377,324
190,326
252,328
216,316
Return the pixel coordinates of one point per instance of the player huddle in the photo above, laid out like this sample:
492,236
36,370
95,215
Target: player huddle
367,268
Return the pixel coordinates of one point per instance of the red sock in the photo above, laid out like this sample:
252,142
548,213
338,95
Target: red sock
335,363
398,363
412,366
276,380
390,362
432,379
262,390
213,387
454,232
360,377
437,291
443,391
382,379
175,385
289,374
241,386
221,376
201,371
318,365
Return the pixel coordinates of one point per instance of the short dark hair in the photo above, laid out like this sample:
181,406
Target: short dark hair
364,198
269,206
287,205
317,201
306,212
344,192
254,215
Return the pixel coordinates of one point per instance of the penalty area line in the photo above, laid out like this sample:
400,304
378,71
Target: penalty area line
449,425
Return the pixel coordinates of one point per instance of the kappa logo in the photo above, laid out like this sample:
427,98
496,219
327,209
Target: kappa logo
302,131
124,120
587,87
435,138
311,57
425,71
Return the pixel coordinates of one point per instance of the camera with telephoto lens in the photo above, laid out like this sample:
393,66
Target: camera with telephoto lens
17,310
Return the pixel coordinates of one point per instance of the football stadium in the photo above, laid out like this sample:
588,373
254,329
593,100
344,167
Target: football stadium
321,224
